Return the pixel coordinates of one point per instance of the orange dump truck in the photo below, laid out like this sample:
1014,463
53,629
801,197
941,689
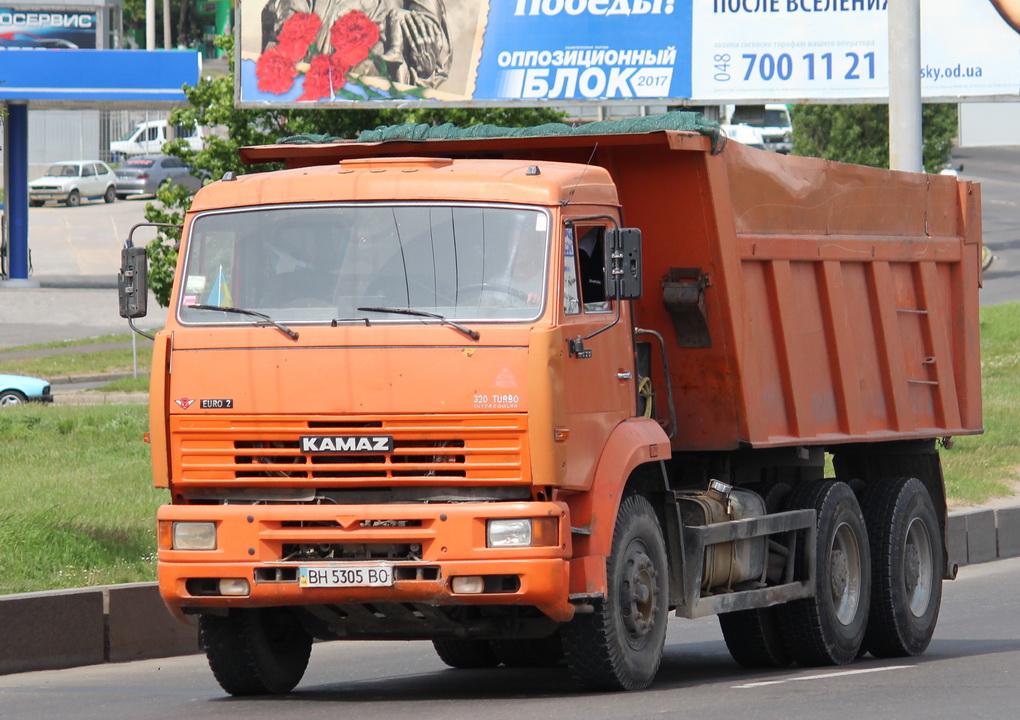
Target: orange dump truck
526,396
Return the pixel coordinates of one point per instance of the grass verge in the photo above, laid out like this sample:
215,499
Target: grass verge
80,360
77,506
980,467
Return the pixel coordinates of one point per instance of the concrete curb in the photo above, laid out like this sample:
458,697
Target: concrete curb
68,628
120,623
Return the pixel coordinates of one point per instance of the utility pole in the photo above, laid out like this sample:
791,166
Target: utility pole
150,24
166,25
905,138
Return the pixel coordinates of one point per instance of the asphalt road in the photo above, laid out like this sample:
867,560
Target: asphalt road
971,670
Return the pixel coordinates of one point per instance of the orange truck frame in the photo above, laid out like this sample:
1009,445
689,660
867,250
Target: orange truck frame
525,396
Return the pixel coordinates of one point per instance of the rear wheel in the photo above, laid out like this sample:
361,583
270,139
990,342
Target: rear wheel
465,654
73,199
618,646
754,638
907,560
256,651
110,195
828,629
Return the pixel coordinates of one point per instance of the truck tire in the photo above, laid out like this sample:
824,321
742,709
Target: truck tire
754,638
906,557
257,651
465,654
532,652
618,646
828,629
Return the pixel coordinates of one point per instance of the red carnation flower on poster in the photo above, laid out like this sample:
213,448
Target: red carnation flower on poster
275,72
297,34
352,36
325,76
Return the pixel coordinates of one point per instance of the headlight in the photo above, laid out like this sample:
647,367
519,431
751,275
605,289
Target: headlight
509,533
522,532
194,536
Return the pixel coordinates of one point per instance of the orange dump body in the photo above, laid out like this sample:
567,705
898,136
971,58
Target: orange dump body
802,302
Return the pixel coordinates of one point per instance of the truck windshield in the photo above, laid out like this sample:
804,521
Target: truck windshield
319,263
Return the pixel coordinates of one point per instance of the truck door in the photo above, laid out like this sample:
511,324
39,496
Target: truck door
598,378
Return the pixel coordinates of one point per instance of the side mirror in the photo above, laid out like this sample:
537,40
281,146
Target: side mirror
623,263
133,282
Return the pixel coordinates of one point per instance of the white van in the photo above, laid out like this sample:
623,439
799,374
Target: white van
773,122
150,136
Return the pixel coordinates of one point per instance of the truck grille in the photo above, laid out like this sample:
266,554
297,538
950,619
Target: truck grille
232,452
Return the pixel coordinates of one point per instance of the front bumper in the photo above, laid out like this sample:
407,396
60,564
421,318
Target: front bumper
45,195
256,543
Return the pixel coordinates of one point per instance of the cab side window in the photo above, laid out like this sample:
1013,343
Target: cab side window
591,267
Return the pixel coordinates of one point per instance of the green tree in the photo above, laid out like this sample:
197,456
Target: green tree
212,105
860,133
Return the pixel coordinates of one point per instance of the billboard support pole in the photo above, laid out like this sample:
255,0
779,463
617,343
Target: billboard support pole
905,139
16,206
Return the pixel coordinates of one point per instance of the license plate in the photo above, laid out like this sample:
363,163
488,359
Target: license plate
370,575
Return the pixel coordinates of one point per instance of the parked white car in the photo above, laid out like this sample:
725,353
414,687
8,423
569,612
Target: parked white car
71,181
150,137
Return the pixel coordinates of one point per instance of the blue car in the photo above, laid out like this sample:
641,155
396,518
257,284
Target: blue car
19,389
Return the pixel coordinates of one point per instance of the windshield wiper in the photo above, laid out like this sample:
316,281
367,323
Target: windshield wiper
241,311
421,313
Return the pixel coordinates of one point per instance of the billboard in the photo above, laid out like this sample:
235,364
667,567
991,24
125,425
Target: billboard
342,53
90,76
832,50
43,28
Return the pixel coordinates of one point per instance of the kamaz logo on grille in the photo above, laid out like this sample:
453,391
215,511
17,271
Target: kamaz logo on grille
346,443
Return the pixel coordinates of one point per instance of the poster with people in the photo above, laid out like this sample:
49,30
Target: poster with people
325,53
463,51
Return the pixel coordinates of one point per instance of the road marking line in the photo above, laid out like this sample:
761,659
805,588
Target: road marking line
824,676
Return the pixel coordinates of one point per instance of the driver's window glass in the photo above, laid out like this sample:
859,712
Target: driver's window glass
591,267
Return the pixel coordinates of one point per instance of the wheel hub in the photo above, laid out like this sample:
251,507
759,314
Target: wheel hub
839,573
911,567
638,590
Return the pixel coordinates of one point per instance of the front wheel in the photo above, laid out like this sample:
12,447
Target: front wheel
619,645
828,629
465,654
73,199
907,561
257,651
12,397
